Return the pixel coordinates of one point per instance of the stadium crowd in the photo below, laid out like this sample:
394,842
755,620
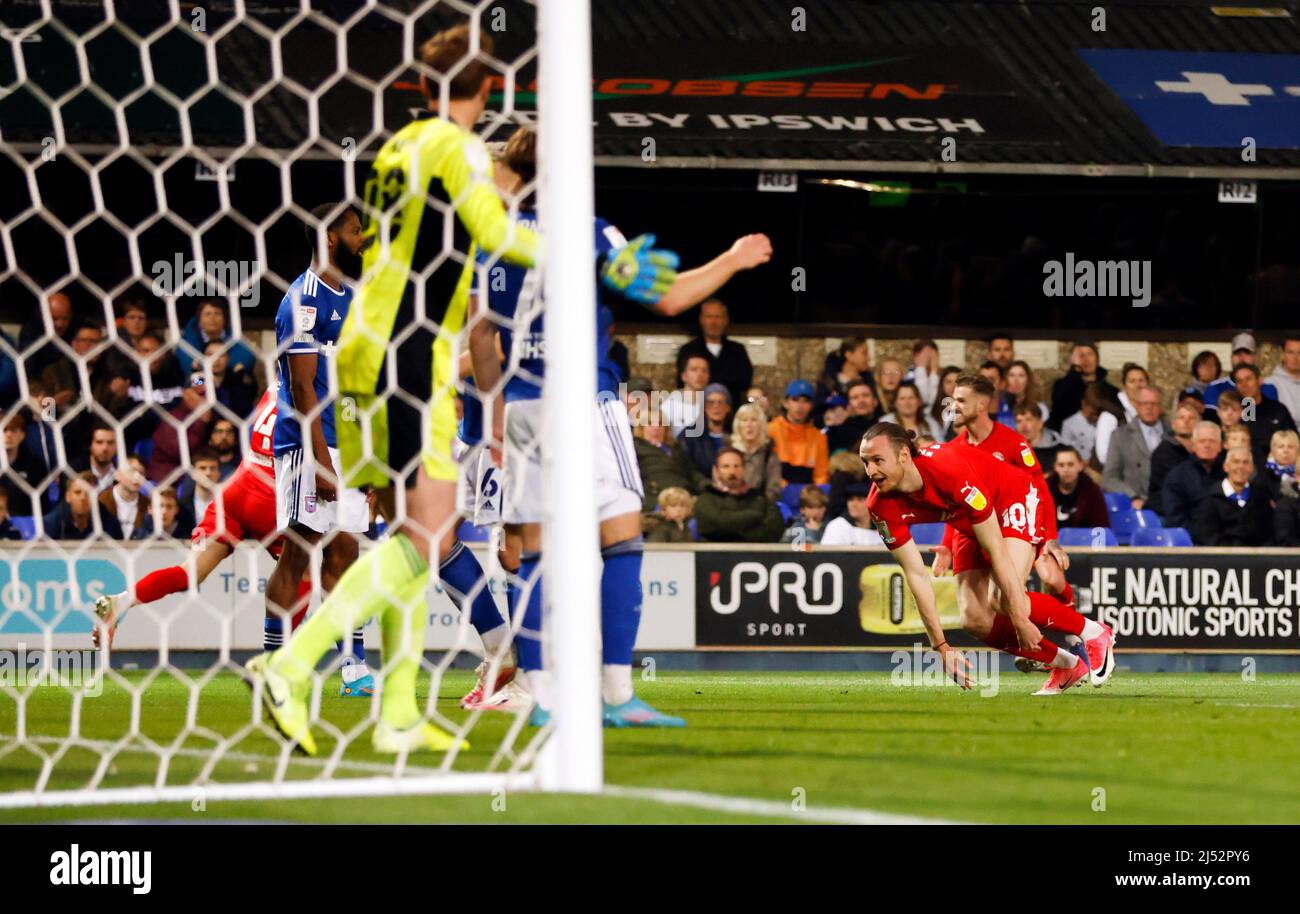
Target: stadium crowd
1212,464
94,448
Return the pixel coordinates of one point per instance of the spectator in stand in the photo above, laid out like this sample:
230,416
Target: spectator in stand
79,516
166,385
863,412
925,371
1128,467
201,486
910,412
1134,377
811,522
1001,350
846,469
1080,430
729,363
684,407
758,396
1238,511
1187,484
1236,436
800,445
223,438
888,377
9,390
132,320
165,520
729,511
190,417
1172,451
1069,390
43,444
998,378
63,374
1286,522
834,411
847,365
235,390
1044,441
1229,409
1079,500
57,311
1286,377
1243,353
1022,387
662,461
1268,416
702,447
100,457
7,529
749,437
123,499
854,528
670,523
1206,369
1281,462
24,481
209,323
939,412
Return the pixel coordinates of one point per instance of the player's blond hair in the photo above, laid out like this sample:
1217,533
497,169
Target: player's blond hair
453,58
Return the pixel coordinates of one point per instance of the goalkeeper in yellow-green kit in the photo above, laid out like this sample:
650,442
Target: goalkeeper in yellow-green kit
396,382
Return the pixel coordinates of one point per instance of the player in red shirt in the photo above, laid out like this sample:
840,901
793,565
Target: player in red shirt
971,401
243,509
987,501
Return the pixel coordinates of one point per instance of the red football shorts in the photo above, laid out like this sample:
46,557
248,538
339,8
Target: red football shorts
1021,519
248,500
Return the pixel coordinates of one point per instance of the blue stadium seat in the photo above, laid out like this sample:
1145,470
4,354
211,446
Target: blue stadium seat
694,527
1091,537
1117,501
927,534
468,533
790,496
24,524
1125,523
143,449
786,513
1158,536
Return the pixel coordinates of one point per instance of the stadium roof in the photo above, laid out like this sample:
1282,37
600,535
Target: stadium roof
1159,87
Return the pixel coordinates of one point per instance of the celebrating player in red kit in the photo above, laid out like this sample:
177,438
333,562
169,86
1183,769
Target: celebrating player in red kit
972,398
243,509
990,505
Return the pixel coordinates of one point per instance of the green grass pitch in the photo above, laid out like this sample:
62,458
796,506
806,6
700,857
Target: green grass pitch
1164,748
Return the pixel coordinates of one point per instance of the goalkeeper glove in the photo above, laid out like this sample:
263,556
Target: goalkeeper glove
639,271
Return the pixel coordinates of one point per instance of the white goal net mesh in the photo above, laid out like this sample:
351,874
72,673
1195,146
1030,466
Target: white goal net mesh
158,166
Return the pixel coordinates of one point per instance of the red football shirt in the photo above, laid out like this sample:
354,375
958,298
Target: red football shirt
961,487
261,436
1009,445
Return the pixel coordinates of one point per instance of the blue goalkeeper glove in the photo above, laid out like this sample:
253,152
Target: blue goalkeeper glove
640,271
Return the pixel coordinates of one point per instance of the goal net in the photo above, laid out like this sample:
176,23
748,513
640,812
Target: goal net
159,165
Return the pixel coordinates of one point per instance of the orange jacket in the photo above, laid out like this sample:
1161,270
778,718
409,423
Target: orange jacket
800,446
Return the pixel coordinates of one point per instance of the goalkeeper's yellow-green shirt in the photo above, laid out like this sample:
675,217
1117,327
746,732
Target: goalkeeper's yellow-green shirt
429,202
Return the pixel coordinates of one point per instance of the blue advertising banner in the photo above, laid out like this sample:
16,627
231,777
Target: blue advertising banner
1207,99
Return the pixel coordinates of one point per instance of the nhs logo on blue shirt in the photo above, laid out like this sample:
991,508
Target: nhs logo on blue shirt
1209,99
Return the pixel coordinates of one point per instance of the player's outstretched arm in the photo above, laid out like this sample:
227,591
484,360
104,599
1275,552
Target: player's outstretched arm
919,582
695,285
989,536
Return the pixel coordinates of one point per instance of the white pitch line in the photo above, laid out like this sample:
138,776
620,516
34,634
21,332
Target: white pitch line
831,815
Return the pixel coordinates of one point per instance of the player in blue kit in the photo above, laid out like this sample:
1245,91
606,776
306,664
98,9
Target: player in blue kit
311,506
513,294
